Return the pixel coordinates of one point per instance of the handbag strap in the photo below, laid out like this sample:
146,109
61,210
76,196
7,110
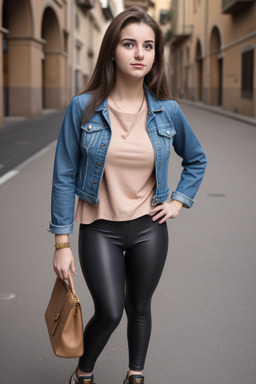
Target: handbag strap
71,283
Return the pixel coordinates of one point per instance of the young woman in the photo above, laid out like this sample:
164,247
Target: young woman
113,152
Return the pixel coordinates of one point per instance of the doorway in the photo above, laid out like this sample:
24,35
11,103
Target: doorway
216,68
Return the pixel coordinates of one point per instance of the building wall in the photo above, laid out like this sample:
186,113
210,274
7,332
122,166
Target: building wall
161,14
34,56
48,50
87,29
207,55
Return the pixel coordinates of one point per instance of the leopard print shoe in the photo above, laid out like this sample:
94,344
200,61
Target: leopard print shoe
74,379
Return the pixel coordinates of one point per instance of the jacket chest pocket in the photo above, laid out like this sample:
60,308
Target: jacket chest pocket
90,134
166,134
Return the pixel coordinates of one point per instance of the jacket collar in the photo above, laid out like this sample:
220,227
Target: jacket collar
154,105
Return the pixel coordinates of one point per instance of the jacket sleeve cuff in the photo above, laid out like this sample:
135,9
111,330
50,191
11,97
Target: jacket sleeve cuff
61,230
187,201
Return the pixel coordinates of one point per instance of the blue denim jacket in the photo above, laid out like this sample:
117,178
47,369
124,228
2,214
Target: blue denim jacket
82,148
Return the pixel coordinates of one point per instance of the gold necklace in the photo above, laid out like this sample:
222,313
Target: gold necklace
124,106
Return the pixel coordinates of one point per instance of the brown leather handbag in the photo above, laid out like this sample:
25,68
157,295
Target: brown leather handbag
63,318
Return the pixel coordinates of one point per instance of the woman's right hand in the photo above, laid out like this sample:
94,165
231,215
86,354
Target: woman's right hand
63,261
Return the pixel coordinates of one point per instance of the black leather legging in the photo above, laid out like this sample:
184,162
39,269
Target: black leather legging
122,263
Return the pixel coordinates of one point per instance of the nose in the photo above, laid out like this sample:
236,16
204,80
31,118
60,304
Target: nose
139,54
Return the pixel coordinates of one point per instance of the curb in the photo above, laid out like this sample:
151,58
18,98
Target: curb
219,111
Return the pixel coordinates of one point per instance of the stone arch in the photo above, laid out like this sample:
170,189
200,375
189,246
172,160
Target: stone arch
52,60
216,65
199,71
17,18
50,30
18,27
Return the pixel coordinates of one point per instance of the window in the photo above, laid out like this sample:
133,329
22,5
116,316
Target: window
65,39
163,19
247,73
78,81
78,51
77,21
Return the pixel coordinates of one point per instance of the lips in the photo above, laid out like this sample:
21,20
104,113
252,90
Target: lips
138,65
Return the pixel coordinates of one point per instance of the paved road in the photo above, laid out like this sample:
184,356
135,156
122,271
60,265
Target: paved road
204,310
22,139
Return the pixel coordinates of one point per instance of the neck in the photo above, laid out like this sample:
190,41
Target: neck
126,90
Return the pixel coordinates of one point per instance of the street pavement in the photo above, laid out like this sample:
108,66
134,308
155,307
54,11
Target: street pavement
204,309
22,138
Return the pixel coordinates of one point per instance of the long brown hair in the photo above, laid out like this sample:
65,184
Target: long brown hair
103,78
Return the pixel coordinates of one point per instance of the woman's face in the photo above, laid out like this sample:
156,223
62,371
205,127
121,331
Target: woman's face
135,52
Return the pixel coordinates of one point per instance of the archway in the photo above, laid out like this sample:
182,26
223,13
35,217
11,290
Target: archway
52,60
17,25
199,72
216,64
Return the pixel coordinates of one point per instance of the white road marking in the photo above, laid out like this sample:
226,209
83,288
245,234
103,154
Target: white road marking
7,296
8,175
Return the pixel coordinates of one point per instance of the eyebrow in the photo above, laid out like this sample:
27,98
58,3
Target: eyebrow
133,40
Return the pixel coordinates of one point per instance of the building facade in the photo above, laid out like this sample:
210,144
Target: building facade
87,28
47,51
162,14
213,53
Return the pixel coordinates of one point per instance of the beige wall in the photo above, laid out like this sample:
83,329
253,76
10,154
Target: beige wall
35,56
216,40
88,30
39,47
155,10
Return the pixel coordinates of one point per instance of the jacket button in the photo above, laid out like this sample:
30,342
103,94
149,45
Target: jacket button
159,180
158,148
94,182
99,164
89,126
168,133
102,145
93,201
160,165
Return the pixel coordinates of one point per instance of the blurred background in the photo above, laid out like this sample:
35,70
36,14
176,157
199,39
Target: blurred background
48,50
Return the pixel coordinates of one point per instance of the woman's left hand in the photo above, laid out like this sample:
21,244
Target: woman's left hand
165,211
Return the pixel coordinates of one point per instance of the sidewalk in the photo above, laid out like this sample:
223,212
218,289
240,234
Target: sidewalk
219,111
